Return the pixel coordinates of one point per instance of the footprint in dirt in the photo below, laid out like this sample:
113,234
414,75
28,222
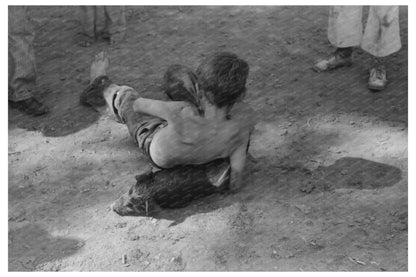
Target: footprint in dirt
351,172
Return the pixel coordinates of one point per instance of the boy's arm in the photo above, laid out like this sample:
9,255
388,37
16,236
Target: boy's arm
237,163
161,109
245,115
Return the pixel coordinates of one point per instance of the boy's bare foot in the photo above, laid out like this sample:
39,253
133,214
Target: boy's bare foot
99,66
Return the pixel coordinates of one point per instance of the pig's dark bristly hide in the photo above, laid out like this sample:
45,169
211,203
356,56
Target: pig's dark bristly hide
177,187
173,188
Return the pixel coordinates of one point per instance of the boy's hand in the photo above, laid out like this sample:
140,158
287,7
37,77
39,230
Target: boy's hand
243,113
237,163
235,181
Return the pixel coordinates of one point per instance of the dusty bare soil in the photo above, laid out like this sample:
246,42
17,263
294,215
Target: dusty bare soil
325,189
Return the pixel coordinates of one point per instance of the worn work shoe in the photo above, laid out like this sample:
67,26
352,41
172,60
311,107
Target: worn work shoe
378,79
30,106
334,61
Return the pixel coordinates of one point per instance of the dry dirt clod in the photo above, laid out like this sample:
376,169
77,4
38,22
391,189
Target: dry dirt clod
360,262
307,187
135,237
124,259
120,225
356,261
303,208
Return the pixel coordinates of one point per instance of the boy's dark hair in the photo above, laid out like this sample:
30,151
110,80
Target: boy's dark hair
222,76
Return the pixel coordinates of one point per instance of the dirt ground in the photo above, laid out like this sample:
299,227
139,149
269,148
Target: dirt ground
325,189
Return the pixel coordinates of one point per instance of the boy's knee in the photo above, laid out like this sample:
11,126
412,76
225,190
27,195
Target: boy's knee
126,95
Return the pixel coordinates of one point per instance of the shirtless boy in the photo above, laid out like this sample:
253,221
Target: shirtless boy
172,133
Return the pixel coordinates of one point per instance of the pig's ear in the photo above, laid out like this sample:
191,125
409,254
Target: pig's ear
144,176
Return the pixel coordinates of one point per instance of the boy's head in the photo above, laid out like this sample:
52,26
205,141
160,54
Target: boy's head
222,76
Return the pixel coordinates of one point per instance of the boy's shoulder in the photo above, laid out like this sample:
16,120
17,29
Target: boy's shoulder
181,110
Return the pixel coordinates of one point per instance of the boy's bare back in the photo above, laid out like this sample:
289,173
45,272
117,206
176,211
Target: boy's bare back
199,127
189,138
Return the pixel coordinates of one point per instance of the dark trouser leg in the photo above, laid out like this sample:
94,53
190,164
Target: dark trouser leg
344,52
115,23
87,17
22,68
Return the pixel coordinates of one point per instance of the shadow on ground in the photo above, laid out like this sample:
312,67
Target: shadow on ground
347,172
31,246
57,123
353,173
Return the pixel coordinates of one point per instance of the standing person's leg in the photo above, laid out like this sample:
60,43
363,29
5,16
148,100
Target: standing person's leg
87,17
344,32
22,66
115,23
344,26
381,38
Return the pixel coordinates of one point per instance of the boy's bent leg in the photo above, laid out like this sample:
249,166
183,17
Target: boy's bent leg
120,101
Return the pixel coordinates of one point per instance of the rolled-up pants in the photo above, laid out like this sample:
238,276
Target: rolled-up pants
22,66
381,36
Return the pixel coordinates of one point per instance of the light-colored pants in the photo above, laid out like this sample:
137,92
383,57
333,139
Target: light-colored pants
381,36
22,66
109,20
